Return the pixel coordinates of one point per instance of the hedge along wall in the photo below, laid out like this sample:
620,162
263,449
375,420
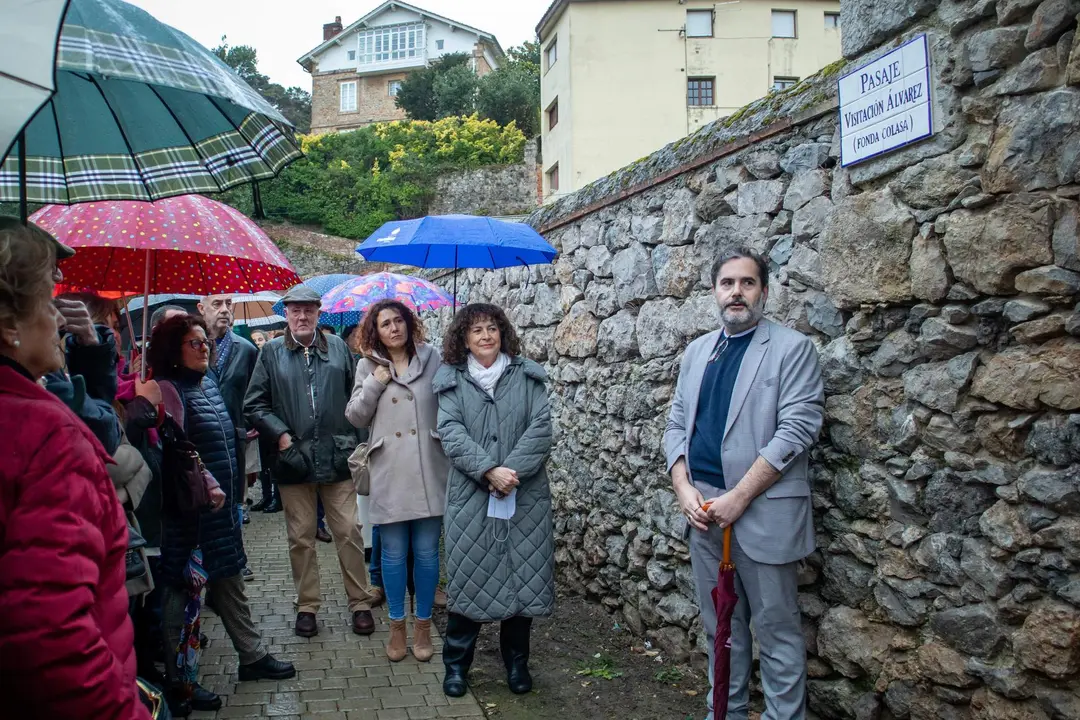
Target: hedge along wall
940,285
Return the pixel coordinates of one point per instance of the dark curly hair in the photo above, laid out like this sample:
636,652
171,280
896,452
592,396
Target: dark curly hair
369,329
455,349
164,355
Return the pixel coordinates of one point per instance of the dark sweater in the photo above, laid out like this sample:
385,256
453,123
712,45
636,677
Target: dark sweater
706,463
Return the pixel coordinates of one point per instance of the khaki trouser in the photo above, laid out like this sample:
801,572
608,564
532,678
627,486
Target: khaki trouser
301,515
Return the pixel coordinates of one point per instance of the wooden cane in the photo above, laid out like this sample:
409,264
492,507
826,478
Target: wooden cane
727,546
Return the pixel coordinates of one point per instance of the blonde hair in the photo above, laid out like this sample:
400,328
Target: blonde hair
26,252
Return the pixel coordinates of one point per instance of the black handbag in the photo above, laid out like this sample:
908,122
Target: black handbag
183,478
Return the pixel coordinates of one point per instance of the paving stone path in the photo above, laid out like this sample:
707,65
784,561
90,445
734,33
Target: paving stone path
340,676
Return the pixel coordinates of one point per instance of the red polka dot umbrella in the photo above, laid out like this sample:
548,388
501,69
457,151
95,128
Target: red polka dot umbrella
188,244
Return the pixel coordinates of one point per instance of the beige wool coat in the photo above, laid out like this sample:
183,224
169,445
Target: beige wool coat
406,460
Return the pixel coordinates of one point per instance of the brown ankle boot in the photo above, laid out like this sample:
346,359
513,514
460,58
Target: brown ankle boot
421,644
395,649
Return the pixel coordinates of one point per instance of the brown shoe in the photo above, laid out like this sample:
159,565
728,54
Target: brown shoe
362,622
306,625
323,535
440,597
395,648
378,596
421,644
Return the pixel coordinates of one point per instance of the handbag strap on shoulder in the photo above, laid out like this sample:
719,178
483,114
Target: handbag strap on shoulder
174,403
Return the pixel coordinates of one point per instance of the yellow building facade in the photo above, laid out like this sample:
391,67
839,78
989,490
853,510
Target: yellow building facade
621,78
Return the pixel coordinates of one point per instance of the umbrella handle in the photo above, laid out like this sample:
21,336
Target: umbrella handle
727,545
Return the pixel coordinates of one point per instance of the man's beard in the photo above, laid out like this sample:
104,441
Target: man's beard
748,317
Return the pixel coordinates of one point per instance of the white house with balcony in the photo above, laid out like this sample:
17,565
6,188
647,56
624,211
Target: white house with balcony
357,70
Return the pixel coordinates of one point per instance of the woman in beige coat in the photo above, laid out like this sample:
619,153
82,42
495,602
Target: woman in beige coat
393,397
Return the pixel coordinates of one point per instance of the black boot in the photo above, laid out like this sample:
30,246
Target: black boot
514,645
205,701
458,648
267,668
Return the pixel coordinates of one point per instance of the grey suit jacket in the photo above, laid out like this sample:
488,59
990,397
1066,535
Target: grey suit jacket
777,408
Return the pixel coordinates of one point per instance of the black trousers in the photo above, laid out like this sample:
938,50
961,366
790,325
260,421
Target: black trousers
459,645
268,486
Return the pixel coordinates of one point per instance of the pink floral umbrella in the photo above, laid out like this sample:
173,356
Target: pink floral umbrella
358,294
188,244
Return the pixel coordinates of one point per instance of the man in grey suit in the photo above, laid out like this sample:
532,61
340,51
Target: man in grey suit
748,406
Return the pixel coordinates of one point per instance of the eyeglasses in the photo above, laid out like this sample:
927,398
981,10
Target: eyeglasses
198,344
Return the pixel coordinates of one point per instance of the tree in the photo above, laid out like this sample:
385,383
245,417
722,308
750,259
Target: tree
294,103
455,92
512,93
417,94
526,55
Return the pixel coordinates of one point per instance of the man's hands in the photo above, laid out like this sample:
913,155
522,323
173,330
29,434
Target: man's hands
725,509
217,498
284,442
382,374
77,321
502,479
690,500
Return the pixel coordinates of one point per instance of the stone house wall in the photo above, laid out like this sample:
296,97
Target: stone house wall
496,190
373,101
940,284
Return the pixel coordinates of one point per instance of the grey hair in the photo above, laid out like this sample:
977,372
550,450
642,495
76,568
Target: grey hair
160,313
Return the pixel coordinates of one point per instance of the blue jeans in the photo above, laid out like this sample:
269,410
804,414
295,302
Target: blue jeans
424,536
321,516
375,566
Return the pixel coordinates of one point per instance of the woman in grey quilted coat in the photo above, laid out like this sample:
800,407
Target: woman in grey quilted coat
495,427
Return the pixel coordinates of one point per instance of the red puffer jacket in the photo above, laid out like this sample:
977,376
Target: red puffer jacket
66,643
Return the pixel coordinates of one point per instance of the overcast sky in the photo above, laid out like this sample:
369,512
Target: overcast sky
283,31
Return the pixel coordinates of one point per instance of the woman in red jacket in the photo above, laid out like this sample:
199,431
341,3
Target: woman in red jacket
65,638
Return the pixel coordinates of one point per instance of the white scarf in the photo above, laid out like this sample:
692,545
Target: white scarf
488,377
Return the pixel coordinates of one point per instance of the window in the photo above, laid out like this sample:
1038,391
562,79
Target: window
391,43
783,83
553,178
553,114
699,23
393,87
783,23
439,44
352,54
832,21
699,91
552,53
348,96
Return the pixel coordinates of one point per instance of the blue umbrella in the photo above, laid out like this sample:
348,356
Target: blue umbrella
323,284
457,241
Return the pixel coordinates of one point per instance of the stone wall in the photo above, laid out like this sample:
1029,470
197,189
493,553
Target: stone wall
940,285
497,190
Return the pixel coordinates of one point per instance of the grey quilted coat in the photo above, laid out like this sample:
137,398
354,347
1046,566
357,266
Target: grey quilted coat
497,568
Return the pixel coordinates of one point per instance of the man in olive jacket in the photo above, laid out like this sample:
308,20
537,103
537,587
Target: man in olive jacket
296,400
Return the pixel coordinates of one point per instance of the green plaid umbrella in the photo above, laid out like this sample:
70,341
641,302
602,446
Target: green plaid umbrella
142,112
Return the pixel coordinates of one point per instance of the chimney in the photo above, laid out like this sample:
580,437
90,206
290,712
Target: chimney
329,30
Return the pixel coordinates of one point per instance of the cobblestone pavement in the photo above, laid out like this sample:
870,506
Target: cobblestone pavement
339,675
